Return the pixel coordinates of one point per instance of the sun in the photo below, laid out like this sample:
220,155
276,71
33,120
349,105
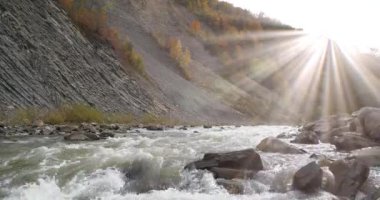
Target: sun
350,21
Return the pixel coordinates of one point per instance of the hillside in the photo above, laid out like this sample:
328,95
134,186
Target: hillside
50,56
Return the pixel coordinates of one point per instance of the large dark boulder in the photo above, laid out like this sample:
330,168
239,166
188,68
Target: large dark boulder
309,178
350,174
243,163
350,141
369,156
274,145
306,137
367,121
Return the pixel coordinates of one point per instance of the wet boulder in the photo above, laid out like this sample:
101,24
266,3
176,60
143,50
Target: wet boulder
106,134
113,127
350,175
309,178
48,130
67,128
306,137
91,128
207,126
274,145
154,127
244,164
350,141
369,156
367,120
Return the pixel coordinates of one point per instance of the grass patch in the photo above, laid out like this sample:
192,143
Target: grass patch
24,116
80,113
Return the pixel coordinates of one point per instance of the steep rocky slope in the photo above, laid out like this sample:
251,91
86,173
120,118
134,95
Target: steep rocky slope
141,20
46,61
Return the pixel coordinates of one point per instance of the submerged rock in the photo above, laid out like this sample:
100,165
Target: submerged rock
350,174
309,178
236,164
274,145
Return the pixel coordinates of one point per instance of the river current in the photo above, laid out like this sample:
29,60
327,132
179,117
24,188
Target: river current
148,165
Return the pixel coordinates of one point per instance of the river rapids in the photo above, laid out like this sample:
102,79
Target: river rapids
147,165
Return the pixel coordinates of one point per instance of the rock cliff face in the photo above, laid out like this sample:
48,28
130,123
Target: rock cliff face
46,61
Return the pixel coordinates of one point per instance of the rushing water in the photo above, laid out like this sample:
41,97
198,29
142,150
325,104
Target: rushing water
146,165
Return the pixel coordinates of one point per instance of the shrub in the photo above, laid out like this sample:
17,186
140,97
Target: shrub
82,113
76,113
180,55
175,48
55,117
195,27
131,57
184,62
25,116
66,4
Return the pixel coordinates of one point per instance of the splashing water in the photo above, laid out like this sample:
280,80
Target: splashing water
146,165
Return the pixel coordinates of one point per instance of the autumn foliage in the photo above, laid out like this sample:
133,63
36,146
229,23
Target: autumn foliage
195,27
180,54
177,52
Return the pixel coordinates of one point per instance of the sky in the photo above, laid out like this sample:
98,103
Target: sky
352,21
